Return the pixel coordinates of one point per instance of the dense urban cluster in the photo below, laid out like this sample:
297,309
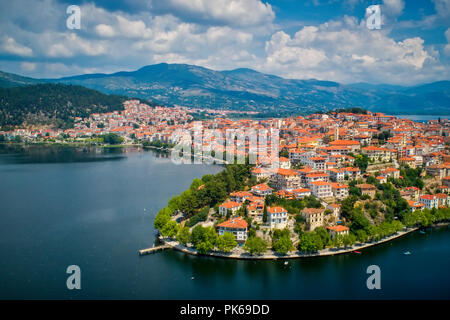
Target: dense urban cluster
341,178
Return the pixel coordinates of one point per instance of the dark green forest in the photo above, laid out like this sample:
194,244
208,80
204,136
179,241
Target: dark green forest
53,104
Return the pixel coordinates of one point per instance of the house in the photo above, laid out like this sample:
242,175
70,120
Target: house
284,163
340,191
377,153
255,211
240,196
381,179
352,172
414,192
415,205
336,175
390,173
261,190
429,201
229,207
321,189
409,161
317,163
337,231
368,189
286,179
237,226
316,176
277,217
442,199
261,173
301,193
314,217
351,144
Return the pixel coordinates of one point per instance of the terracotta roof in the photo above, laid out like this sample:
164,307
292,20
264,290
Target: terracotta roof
230,204
338,228
235,223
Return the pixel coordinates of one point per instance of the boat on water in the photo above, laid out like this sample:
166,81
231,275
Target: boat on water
422,232
356,251
286,263
406,253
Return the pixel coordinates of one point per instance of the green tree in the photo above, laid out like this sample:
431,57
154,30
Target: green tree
283,245
255,246
265,214
226,242
170,229
184,235
161,219
112,138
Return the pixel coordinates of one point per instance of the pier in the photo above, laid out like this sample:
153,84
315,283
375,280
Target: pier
143,252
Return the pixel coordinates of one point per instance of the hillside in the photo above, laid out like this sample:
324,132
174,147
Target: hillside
9,80
246,89
53,104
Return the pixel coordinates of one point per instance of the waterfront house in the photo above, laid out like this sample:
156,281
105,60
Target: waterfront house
337,230
237,226
314,217
277,217
429,201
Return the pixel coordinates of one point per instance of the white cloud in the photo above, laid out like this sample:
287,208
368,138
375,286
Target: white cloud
104,30
393,7
70,44
447,46
230,12
347,52
11,46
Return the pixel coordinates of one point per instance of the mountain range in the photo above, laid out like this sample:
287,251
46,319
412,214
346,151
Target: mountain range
247,89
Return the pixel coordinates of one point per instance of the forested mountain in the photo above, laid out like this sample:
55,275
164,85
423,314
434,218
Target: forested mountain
53,104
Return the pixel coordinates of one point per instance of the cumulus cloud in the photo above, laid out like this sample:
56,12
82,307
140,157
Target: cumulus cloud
229,12
393,7
346,51
11,46
218,34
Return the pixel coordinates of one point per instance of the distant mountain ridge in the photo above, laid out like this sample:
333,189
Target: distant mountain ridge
247,89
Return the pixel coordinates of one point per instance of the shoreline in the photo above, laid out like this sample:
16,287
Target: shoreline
271,255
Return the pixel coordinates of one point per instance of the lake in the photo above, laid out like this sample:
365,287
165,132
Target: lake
95,208
422,117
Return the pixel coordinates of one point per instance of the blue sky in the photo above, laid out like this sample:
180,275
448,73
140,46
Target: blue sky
321,39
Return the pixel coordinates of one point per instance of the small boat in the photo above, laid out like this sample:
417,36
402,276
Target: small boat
406,253
422,232
286,263
356,251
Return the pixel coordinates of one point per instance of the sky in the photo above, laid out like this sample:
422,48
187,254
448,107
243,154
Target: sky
320,39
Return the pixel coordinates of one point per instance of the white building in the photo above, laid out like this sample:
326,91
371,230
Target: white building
277,217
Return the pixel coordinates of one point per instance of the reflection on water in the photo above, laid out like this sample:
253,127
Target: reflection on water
98,214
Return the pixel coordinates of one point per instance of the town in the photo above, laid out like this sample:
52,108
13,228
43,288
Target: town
342,178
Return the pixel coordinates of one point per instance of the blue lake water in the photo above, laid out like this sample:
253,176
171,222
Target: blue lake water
94,208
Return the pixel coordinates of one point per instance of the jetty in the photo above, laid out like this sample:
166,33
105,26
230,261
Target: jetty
144,252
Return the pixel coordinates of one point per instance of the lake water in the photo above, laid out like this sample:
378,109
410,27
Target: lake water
95,209
423,117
